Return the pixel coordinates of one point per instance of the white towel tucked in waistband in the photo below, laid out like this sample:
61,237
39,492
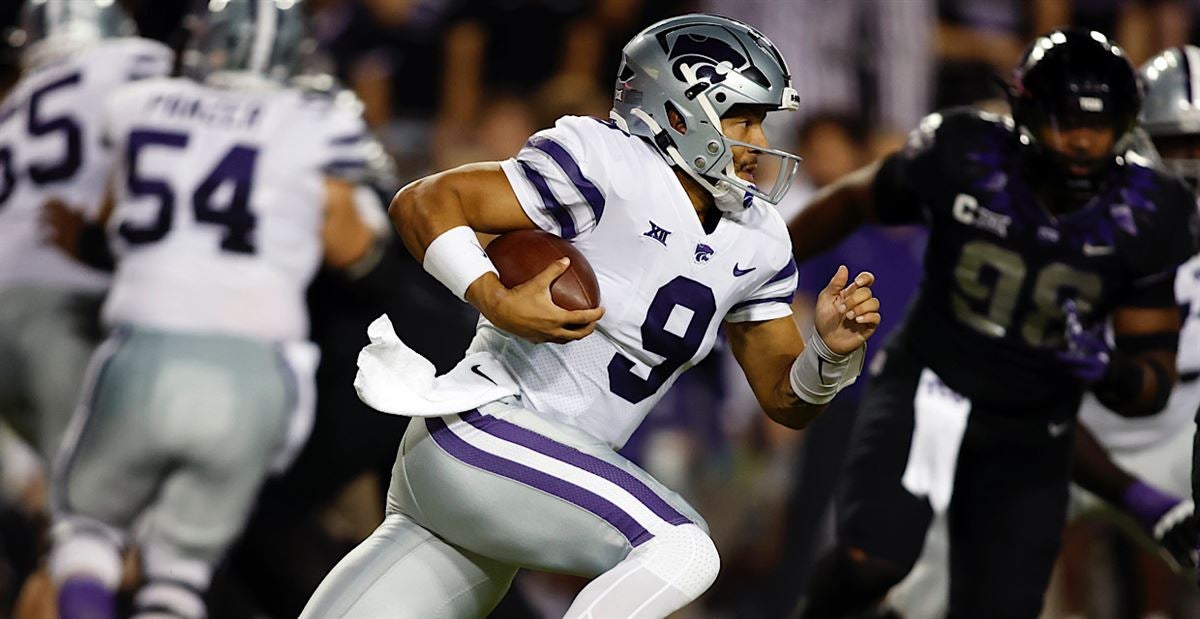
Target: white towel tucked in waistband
393,378
941,419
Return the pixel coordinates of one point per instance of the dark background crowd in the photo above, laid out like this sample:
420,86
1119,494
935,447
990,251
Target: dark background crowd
451,81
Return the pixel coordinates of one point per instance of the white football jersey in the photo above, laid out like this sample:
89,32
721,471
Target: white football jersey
219,212
665,284
50,147
1118,432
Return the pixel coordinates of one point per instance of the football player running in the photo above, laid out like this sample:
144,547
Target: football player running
1035,224
1138,465
228,193
74,54
661,201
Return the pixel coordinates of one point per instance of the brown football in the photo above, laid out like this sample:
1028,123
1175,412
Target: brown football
521,255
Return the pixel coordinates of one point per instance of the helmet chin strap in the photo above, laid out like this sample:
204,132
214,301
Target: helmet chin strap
727,196
724,194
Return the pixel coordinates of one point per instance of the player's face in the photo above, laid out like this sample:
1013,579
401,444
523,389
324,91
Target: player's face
1086,146
745,124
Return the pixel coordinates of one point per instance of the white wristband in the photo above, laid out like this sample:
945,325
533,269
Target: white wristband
456,259
818,373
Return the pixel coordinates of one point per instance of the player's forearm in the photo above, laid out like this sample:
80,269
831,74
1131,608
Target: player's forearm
833,213
1095,471
807,383
790,410
1138,386
348,241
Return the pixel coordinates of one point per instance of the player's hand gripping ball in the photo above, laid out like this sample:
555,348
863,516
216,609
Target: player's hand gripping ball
548,301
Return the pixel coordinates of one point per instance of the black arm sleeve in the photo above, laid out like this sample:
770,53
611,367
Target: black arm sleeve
895,201
1156,291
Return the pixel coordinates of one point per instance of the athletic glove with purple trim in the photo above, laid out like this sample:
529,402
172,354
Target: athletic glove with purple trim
1087,354
1170,520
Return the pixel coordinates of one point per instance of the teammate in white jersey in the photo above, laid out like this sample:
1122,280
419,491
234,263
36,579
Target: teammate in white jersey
76,53
660,200
227,195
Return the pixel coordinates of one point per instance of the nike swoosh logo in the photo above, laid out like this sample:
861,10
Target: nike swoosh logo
475,368
740,272
1097,250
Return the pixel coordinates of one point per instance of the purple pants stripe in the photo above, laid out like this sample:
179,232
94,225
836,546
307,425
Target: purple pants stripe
564,453
470,455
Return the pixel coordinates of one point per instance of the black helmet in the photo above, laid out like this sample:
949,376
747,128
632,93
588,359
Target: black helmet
1074,78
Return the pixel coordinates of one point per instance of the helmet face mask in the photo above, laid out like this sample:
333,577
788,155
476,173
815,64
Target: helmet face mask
1171,114
247,43
1075,99
1083,147
699,67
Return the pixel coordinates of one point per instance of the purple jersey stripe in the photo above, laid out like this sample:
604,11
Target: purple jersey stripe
587,189
587,462
785,299
345,163
549,201
787,271
348,140
470,455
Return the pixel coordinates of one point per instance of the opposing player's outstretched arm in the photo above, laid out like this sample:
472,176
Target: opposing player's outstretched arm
449,208
793,382
834,212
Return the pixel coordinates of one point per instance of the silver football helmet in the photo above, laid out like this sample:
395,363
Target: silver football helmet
1171,109
54,29
700,66
246,43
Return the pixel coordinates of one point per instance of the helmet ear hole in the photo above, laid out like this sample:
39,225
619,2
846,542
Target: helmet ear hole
675,118
720,97
626,73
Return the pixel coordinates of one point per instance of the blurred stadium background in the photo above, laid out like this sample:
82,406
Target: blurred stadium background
450,81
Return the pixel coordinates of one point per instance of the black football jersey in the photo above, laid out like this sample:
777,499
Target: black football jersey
998,267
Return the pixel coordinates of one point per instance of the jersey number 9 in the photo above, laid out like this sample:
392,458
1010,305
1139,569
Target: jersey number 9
661,336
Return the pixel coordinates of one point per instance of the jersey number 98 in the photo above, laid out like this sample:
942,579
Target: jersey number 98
990,279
